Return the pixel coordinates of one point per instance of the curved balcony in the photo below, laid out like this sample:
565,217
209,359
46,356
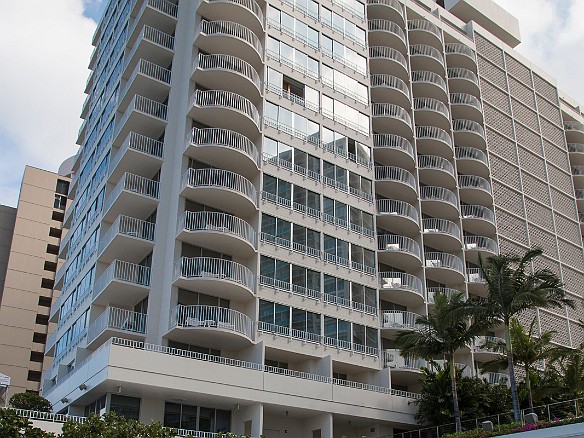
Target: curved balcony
132,193
390,180
390,118
220,277
405,370
424,32
437,170
387,88
153,44
469,133
440,267
463,80
488,347
579,194
388,60
224,148
432,140
399,251
472,161
424,57
432,291
398,216
478,219
401,288
466,105
221,232
147,79
230,38
479,244
391,9
225,108
399,320
127,238
162,14
442,234
578,176
431,112
143,115
474,189
221,189
476,281
439,202
115,322
226,72
576,151
209,326
390,148
245,12
460,55
122,284
386,33
429,84
137,154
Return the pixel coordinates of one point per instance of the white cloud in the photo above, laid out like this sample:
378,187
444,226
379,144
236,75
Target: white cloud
45,48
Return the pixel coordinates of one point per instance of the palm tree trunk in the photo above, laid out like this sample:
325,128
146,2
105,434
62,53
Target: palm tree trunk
528,384
455,395
511,368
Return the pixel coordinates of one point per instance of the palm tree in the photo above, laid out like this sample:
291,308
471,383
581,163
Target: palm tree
568,370
441,333
512,289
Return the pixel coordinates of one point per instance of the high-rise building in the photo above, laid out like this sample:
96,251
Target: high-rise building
29,243
267,192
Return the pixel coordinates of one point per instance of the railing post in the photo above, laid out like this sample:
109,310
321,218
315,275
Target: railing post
549,414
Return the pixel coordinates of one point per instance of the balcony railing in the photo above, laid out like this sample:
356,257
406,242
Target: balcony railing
164,6
207,267
212,317
158,37
226,99
135,184
392,173
292,246
495,378
429,104
429,77
117,319
400,319
579,193
477,212
398,208
400,280
232,29
475,275
392,141
474,182
128,226
392,358
440,226
384,52
462,73
480,243
221,222
127,272
223,179
386,26
459,49
392,111
291,167
286,94
577,170
425,25
396,243
147,106
433,133
224,138
432,291
429,51
151,70
389,81
576,148
468,153
443,260
465,99
435,162
393,4
228,63
488,344
432,193
462,125
139,143
250,5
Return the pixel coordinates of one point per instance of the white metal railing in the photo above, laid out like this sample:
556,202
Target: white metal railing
440,226
208,267
287,94
384,52
149,107
128,226
221,178
393,141
401,281
392,358
151,70
47,416
425,25
495,378
165,6
428,51
579,193
288,165
350,264
474,181
278,25
459,49
236,30
468,153
286,286
393,4
391,110
462,73
226,99
443,260
224,138
288,244
212,317
297,5
135,184
488,344
433,193
389,81
432,291
399,319
465,99
228,63
398,208
462,125
250,5
158,37
576,147
571,125
474,275
480,243
127,272
433,133
429,77
429,104
477,212
392,173
295,66
118,319
577,170
214,221
286,202
140,143
435,162
386,26
396,243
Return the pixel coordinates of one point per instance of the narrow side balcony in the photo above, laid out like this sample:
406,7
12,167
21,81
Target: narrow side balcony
386,33
469,133
488,348
466,105
475,189
399,251
388,88
429,84
474,245
137,154
477,284
248,13
391,148
442,234
209,326
576,151
152,44
399,320
223,278
132,194
444,267
398,216
116,322
425,32
390,118
127,238
574,131
432,140
472,161
578,176
147,79
395,180
404,370
431,112
432,291
390,9
477,219
221,189
424,57
161,14
143,115
122,284
439,202
463,80
402,288
388,60
460,55
222,232
438,170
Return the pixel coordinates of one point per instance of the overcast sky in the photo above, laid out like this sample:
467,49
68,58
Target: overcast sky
46,44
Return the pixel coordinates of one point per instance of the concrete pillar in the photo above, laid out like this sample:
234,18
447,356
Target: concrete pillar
253,415
151,410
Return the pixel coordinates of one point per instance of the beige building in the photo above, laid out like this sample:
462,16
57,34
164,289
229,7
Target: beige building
31,235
